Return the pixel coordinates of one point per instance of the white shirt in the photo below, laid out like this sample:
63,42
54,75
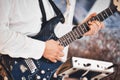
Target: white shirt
22,18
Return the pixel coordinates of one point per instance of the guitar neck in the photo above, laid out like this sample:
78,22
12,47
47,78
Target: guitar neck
83,28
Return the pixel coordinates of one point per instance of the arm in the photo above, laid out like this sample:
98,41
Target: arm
14,43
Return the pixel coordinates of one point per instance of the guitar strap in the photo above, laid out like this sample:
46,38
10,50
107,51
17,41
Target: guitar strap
42,11
57,11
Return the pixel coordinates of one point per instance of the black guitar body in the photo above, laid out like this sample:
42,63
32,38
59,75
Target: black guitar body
43,69
47,31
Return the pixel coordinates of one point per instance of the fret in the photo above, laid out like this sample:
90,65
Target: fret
68,38
93,19
102,16
64,40
110,10
79,31
64,43
73,36
106,13
84,28
90,20
86,25
98,18
61,43
72,39
68,41
76,33
61,40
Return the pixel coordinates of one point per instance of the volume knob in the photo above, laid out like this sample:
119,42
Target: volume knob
42,72
38,77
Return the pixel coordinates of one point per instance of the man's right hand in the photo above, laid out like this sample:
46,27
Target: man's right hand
53,51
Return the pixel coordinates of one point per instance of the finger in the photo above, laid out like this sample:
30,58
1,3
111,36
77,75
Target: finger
61,47
53,60
96,28
58,42
96,24
61,54
93,29
58,58
102,25
99,25
91,15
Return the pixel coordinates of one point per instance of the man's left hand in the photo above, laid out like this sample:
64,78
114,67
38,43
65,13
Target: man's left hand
94,26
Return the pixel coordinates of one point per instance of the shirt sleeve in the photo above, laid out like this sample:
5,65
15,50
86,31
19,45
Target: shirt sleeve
14,43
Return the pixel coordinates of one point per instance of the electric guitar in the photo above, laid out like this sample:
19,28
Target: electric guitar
43,69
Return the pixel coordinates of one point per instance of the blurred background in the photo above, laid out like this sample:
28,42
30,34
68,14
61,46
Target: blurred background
103,46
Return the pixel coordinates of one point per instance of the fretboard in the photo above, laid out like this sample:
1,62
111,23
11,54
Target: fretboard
83,28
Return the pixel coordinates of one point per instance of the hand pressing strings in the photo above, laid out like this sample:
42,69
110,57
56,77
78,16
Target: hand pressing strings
94,26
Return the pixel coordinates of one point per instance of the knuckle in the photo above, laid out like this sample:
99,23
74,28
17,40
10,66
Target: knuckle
57,51
62,54
59,59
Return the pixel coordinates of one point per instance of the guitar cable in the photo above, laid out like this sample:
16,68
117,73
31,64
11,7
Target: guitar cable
9,76
8,72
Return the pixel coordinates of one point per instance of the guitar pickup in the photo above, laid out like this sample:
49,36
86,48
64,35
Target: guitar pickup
30,63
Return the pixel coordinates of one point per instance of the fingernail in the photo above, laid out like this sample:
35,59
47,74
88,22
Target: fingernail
55,75
55,61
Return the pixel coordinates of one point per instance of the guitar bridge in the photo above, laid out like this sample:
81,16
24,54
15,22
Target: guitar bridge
31,65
